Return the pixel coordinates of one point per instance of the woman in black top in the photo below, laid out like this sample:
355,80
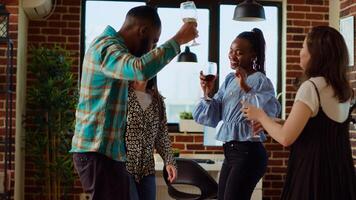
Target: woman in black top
320,165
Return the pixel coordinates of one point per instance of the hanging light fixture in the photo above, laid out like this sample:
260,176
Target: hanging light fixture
187,56
249,10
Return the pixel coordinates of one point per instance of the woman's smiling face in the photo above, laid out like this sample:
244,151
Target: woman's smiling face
241,54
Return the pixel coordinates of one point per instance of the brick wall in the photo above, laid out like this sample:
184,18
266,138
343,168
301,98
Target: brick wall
348,8
192,143
12,8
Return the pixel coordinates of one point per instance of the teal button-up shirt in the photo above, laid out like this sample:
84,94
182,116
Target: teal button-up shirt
101,112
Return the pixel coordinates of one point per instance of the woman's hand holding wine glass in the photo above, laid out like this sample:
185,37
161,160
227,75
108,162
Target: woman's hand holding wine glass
208,76
250,100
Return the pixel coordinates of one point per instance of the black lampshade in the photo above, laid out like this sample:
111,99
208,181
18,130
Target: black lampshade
4,23
249,10
187,56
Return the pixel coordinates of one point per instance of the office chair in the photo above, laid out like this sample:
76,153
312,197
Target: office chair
191,173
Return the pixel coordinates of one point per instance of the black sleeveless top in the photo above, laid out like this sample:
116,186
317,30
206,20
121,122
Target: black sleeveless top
320,165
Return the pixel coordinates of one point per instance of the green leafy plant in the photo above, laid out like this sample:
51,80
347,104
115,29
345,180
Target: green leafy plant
51,99
176,152
185,115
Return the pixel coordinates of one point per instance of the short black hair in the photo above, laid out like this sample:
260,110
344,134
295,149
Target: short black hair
145,13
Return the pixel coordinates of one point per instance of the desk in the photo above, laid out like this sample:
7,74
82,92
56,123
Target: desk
212,169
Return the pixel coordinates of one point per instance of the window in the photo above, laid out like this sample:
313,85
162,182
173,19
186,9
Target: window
179,82
99,14
269,28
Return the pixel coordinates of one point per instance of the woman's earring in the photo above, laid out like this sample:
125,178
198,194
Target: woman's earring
254,64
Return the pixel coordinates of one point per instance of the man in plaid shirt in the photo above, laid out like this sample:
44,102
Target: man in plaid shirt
112,60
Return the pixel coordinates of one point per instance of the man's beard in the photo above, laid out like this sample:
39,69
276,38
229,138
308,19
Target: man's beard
143,48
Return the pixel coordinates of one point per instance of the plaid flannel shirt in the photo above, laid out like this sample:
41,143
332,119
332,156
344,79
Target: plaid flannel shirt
101,112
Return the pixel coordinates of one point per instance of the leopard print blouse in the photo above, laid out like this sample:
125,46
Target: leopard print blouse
144,132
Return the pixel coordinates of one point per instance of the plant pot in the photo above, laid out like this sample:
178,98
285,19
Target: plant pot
189,125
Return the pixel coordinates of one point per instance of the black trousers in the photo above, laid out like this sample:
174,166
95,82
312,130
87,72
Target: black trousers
102,177
244,165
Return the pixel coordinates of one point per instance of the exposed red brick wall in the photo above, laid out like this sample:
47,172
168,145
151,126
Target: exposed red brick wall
348,8
12,8
62,27
192,143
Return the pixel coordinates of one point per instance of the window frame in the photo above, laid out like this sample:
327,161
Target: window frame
82,30
214,43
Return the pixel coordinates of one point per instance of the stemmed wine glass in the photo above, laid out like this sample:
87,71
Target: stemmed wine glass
189,14
251,99
209,70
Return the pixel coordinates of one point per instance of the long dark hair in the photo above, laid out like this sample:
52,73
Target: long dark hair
329,59
258,45
153,89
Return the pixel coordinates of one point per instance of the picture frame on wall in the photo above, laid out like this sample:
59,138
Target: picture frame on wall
347,31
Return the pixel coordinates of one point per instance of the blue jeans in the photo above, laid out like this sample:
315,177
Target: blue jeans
143,190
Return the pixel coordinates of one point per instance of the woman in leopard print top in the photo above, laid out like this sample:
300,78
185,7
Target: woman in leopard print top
146,130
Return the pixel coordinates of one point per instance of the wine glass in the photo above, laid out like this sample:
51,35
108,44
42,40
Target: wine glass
209,70
189,14
251,99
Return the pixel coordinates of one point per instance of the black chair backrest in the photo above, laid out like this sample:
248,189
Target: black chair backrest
191,173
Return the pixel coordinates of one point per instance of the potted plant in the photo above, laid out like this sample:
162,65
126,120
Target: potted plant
187,123
51,99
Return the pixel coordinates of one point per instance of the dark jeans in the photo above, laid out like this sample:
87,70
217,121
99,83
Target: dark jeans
244,165
102,177
145,189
